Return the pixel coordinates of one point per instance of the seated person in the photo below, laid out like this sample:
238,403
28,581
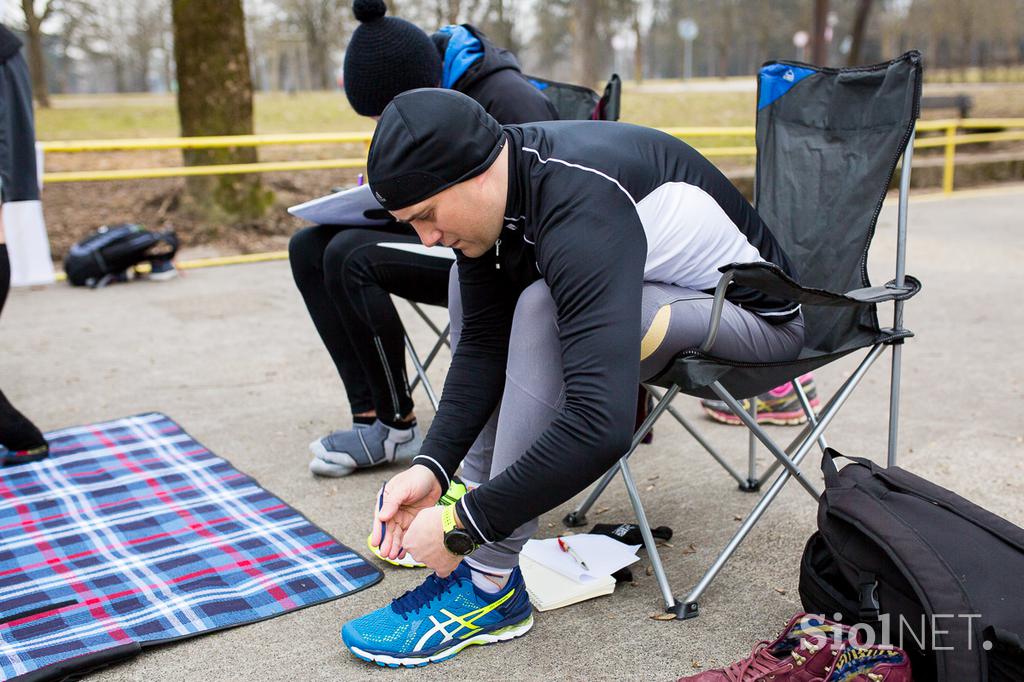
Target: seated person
587,255
346,276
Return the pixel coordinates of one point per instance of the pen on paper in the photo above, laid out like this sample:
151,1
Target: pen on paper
564,546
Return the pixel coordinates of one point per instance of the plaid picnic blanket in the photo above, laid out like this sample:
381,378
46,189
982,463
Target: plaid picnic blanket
132,534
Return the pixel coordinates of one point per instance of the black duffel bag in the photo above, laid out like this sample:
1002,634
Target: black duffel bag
112,249
920,567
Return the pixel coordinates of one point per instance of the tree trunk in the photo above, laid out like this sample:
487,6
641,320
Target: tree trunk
503,27
638,50
36,57
215,98
818,53
860,23
120,85
453,11
584,41
317,50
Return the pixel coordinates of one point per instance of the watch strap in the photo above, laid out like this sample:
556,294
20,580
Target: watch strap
448,518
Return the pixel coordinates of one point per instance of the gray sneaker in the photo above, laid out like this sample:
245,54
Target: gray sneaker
342,452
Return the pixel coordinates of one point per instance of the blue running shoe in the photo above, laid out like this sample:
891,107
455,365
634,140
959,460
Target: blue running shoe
439,619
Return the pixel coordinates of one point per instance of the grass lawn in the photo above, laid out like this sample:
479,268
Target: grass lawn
138,115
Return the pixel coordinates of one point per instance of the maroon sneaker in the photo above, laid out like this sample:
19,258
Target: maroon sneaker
804,652
870,664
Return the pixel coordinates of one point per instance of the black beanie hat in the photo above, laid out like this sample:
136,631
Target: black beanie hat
426,141
385,57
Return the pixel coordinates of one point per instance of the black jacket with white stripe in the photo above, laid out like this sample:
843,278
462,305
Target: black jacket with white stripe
595,209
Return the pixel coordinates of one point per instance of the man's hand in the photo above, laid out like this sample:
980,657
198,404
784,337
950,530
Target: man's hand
425,539
405,495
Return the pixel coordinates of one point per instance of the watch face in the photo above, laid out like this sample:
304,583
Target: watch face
458,542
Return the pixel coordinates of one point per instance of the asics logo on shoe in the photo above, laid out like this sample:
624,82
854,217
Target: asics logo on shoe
465,621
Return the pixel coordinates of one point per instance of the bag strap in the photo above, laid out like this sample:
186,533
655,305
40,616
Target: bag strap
831,472
1004,640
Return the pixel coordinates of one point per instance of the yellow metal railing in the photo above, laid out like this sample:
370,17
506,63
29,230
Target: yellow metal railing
949,141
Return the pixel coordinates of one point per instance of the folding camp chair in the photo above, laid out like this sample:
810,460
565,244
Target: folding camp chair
572,102
828,142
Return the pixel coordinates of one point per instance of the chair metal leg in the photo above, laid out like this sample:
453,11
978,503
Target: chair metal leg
421,367
897,321
691,603
812,418
578,516
799,440
671,603
692,430
430,322
420,372
751,451
756,429
894,403
438,345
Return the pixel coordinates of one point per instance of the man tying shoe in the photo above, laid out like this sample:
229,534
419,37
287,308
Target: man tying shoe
587,253
346,274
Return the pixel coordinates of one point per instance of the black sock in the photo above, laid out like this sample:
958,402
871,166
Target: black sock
367,421
629,533
17,432
398,424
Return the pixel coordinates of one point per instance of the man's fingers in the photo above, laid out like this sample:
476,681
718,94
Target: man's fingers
394,496
385,545
392,533
396,541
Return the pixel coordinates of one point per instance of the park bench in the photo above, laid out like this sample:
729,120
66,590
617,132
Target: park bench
962,103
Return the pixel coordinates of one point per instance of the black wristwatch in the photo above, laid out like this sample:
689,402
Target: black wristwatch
456,540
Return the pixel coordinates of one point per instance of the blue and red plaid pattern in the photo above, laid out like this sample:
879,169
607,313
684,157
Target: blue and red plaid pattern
132,533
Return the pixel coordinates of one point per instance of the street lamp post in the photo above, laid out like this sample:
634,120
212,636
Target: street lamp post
688,32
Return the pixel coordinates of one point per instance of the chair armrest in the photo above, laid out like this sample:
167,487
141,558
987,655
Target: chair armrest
770,279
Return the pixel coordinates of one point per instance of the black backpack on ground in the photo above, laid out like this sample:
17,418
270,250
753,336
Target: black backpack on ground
946,574
112,249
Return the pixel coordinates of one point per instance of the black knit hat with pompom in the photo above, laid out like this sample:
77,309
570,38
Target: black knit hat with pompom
386,57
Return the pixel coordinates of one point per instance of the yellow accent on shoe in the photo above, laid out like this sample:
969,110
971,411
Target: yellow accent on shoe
407,562
468,619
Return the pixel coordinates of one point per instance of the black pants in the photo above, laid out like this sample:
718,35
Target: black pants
346,278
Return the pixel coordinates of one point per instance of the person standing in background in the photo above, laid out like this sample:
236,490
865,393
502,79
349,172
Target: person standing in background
20,439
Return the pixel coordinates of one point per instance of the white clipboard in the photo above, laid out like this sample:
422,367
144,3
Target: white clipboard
348,207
